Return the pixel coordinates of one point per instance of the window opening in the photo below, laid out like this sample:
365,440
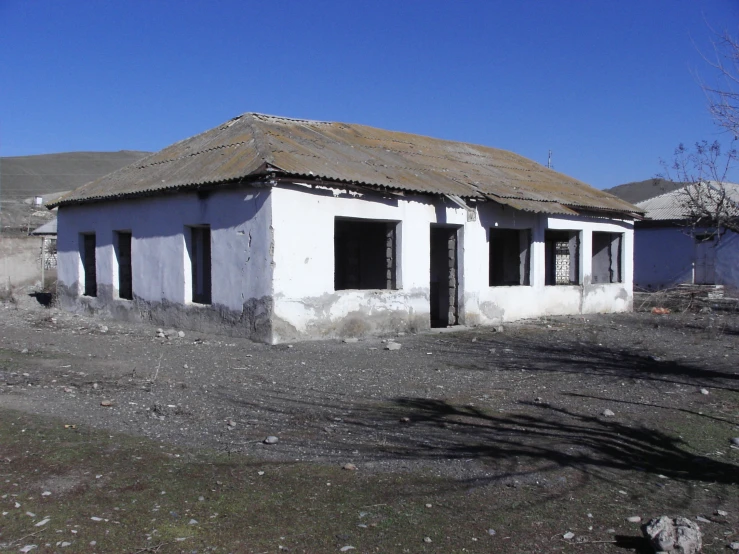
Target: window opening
364,254
509,257
89,264
201,264
562,253
125,274
606,258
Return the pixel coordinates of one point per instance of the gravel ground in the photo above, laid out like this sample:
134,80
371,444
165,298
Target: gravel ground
467,403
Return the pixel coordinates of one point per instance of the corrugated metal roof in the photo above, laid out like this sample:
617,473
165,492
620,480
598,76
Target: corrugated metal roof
48,228
255,144
673,205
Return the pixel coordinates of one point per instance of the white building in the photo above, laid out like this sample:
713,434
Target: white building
281,229
670,252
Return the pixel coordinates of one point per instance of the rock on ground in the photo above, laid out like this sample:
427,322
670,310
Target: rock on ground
679,535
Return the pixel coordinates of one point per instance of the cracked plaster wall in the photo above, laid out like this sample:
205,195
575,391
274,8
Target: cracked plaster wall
162,282
485,305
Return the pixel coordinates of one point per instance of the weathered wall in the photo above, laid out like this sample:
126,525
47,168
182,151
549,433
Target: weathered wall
20,263
273,263
307,306
664,258
727,262
162,288
487,305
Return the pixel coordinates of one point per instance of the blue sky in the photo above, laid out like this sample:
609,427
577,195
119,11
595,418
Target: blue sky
609,86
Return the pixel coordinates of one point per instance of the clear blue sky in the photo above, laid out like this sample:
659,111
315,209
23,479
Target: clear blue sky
610,86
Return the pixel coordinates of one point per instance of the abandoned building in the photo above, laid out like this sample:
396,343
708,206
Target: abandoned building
283,229
670,250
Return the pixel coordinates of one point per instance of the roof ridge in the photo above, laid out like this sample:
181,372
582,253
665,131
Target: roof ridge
265,116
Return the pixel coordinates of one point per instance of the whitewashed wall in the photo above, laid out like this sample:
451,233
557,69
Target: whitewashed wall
273,263
664,257
306,305
241,259
487,305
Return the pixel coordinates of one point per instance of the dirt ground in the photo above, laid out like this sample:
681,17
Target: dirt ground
521,407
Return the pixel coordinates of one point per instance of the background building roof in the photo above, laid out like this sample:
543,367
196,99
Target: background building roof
673,205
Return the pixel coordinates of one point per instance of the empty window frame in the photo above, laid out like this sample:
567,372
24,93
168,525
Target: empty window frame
509,257
201,265
606,265
125,275
89,268
562,257
364,254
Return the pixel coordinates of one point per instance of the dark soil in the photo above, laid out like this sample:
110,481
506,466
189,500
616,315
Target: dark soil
522,408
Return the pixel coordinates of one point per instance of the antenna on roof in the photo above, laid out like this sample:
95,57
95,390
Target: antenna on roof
549,161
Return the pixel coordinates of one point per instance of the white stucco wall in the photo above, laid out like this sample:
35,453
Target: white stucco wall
491,305
240,257
273,262
664,258
306,304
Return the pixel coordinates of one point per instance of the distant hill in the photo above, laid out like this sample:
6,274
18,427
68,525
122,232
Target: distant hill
24,177
644,190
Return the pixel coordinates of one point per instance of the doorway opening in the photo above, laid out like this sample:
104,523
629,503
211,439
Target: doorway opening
444,282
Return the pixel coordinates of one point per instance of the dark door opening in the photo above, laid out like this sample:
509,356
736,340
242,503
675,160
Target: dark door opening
444,281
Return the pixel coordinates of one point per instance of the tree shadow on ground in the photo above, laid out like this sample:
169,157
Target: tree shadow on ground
564,356
549,438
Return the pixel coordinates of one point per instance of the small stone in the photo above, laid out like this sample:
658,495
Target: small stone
498,329
607,413
405,420
429,505
347,548
427,539
43,522
231,423
703,519
24,351
351,340
568,535
491,532
106,403
393,346
349,467
192,522
95,386
735,441
271,440
260,473
160,330
704,391
634,519
734,546
201,499
95,518
722,513
181,334
46,493
103,328
64,544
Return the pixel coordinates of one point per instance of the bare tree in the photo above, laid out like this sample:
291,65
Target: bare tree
708,201
723,97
